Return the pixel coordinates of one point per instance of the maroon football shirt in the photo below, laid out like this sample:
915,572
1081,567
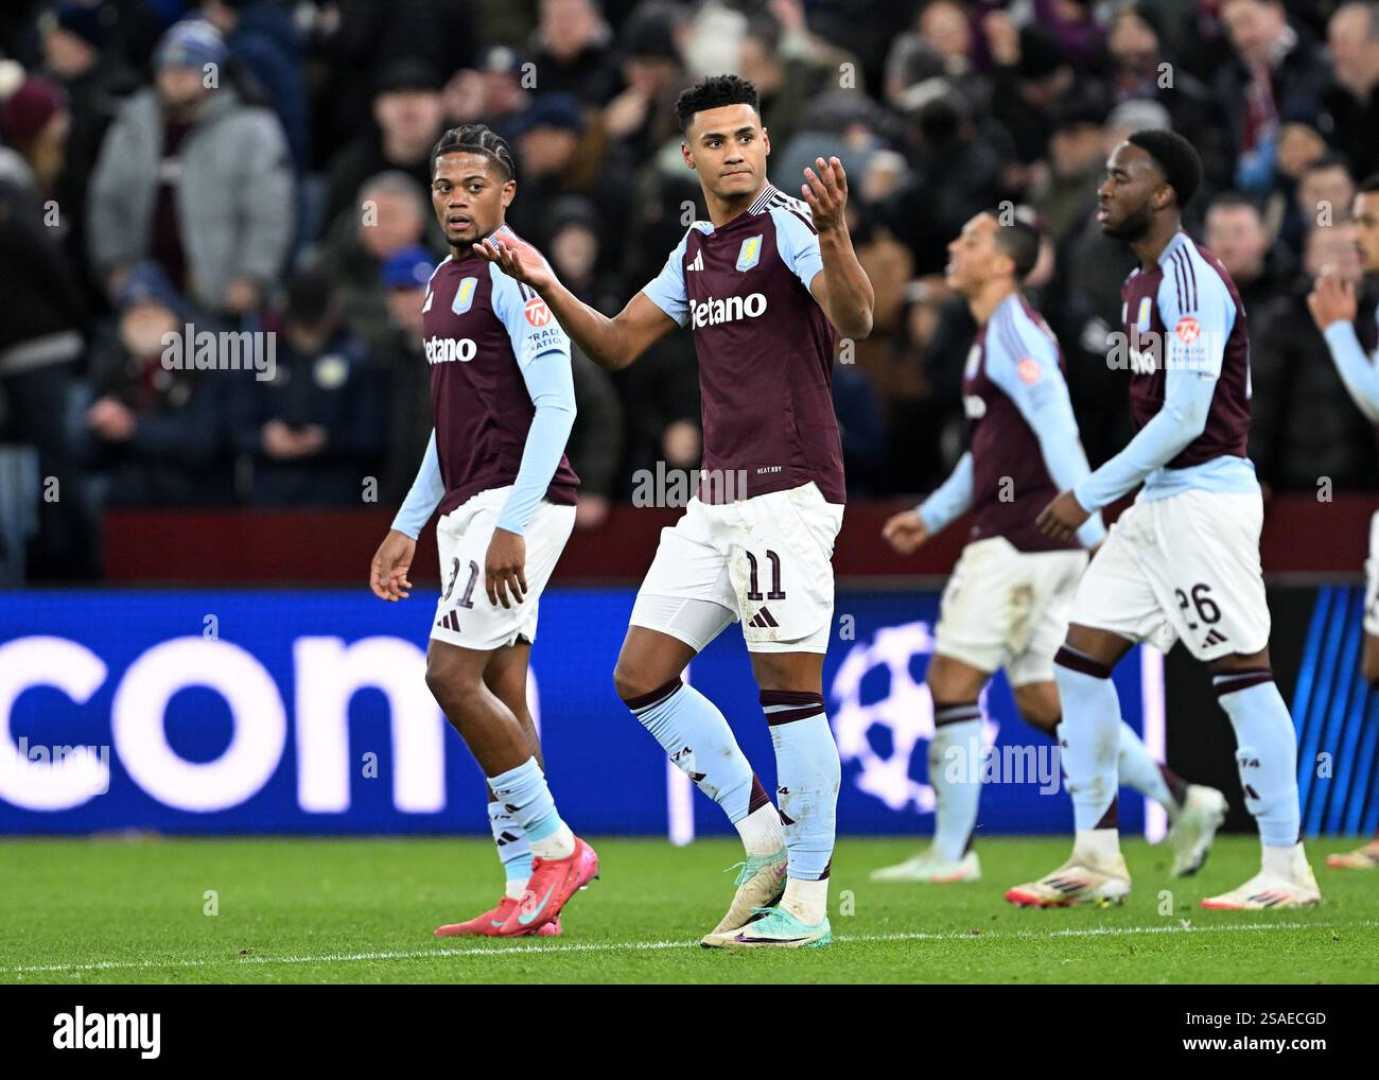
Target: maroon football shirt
473,317
1190,289
1010,481
765,349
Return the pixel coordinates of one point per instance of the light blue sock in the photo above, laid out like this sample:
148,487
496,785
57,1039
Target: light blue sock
808,774
514,851
1089,737
695,735
1140,771
523,793
1266,752
955,774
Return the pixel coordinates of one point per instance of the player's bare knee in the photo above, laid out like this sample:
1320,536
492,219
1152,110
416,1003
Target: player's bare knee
1038,705
628,681
952,681
634,678
452,683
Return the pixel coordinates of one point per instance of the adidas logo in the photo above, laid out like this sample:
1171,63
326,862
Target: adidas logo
1214,638
763,620
449,621
698,262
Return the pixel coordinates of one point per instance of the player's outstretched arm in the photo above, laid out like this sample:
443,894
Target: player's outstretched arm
1333,307
842,288
908,530
611,343
1183,417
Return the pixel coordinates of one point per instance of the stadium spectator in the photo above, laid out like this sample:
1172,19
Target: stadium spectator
1076,161
1352,100
573,51
260,35
356,39
957,164
1276,74
314,433
596,441
1237,235
394,214
407,123
788,65
496,92
155,432
192,178
559,154
78,54
641,119
1321,196
1304,429
400,357
1140,70
927,422
1031,76
45,318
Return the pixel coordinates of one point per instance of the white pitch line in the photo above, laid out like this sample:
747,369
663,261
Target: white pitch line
650,946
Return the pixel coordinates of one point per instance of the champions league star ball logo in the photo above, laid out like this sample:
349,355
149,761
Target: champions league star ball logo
902,716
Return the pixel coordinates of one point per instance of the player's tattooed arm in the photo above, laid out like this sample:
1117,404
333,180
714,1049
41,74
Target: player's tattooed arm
611,343
842,288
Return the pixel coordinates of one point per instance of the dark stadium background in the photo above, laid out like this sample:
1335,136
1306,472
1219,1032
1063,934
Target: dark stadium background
115,475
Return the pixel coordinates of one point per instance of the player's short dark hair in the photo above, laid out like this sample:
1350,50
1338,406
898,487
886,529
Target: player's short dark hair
1369,185
713,92
475,139
1176,158
1020,240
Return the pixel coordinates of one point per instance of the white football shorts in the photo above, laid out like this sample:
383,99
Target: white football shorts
766,561
464,614
1185,567
1006,608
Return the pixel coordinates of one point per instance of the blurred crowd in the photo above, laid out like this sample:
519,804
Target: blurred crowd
263,165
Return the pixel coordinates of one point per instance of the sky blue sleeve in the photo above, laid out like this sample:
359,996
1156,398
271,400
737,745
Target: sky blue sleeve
797,243
1359,372
951,500
1191,370
1023,362
425,495
543,356
667,289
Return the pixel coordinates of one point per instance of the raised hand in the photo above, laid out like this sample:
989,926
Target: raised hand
826,192
1332,300
519,261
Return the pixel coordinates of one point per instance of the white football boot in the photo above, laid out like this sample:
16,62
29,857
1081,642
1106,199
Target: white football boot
931,868
1077,881
1286,881
1195,827
1364,858
760,884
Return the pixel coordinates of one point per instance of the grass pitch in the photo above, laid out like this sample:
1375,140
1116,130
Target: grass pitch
362,911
